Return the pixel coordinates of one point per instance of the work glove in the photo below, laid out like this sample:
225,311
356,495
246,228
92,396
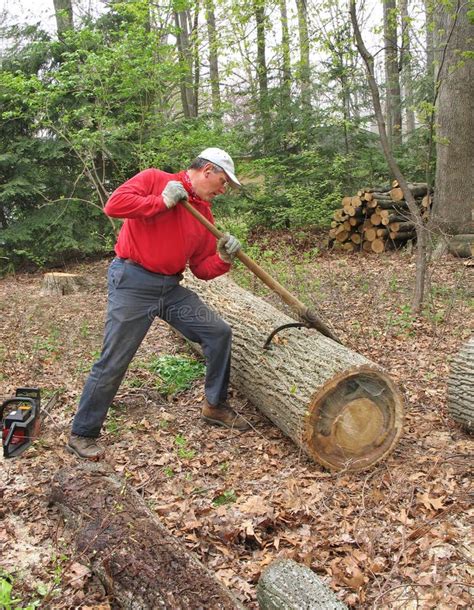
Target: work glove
227,247
173,192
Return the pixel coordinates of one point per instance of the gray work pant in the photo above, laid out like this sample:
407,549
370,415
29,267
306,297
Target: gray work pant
136,297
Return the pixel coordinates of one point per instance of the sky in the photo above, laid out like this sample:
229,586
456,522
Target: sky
42,11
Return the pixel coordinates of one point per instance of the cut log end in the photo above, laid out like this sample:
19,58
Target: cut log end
355,420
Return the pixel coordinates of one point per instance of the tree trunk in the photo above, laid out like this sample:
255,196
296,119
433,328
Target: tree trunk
393,96
421,232
461,387
186,58
429,40
140,564
285,57
64,19
406,66
264,109
213,57
453,208
287,585
339,407
304,67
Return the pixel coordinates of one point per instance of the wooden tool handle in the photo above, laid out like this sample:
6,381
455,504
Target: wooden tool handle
310,317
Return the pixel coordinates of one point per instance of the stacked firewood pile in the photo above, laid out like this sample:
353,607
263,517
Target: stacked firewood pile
377,219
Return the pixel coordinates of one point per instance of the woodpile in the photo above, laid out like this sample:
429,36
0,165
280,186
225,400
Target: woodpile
377,219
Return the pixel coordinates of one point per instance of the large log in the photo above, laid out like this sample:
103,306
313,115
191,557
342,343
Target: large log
461,386
55,284
140,564
287,585
343,410
462,245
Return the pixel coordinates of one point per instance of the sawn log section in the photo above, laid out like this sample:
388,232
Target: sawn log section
340,408
139,562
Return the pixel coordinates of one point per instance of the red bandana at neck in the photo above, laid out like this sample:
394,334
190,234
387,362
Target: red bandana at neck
193,197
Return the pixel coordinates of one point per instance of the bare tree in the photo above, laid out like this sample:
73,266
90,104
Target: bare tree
421,232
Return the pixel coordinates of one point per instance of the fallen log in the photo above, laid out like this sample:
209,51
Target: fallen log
462,245
139,562
339,407
461,387
287,585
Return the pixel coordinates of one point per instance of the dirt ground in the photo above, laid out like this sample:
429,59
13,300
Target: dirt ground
396,536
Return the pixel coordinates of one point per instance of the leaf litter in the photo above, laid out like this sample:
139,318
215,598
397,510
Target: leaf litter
396,536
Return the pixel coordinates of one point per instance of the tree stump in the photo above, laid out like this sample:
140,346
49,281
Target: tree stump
140,564
461,387
341,409
55,284
287,585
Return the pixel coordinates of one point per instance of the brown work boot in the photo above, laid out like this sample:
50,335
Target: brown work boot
223,415
85,447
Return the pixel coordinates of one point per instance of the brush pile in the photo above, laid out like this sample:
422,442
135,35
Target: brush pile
377,219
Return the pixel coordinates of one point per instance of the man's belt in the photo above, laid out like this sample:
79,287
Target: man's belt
177,277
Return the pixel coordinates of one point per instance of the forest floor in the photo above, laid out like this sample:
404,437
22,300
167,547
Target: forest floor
395,536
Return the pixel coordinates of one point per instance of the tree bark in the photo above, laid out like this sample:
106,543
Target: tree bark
64,18
186,59
406,68
57,284
339,407
462,245
140,564
429,40
262,73
461,387
453,208
304,67
213,57
287,585
393,96
285,57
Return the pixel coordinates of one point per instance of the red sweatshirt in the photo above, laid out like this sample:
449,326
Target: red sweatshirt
162,240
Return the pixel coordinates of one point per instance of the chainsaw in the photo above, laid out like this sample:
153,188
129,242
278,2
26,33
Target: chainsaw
20,421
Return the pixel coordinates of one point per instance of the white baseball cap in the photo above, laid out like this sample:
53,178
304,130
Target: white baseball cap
223,160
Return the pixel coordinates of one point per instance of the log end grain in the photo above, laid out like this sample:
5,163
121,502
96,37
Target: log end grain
354,420
287,585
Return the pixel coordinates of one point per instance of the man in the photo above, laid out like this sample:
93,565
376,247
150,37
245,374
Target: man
157,240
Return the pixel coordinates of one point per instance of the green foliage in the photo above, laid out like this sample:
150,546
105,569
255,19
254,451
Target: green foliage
175,373
55,232
7,599
226,497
